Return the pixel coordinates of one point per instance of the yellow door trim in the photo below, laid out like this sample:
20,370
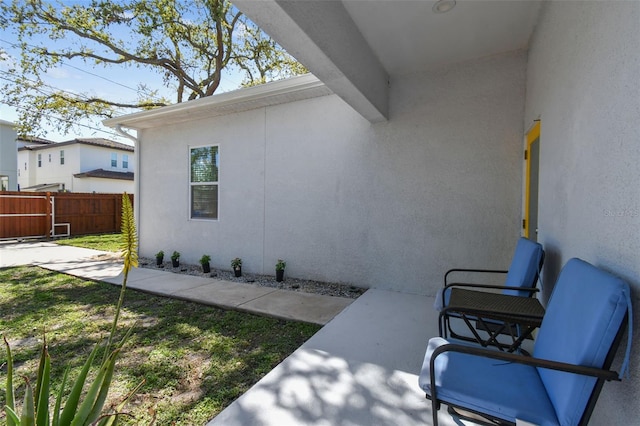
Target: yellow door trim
532,135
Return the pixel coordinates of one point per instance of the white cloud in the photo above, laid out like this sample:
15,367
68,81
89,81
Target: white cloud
58,73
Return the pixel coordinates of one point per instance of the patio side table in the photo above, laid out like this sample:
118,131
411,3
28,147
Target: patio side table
495,314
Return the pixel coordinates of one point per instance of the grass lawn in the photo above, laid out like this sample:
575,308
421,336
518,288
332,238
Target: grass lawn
195,359
105,242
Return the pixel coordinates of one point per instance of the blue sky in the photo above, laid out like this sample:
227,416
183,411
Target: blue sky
113,83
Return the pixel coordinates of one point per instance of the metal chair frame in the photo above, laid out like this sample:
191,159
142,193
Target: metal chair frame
484,320
601,374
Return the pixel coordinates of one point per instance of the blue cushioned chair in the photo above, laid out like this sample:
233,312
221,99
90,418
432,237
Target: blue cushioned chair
521,280
559,385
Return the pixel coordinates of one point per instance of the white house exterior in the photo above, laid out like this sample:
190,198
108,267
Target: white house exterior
8,165
387,178
79,165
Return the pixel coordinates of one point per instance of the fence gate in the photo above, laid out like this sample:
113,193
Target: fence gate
42,215
24,216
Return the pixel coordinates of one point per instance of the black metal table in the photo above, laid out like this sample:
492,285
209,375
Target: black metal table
495,314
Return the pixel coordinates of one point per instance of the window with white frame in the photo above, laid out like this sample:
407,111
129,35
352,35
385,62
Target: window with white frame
62,157
114,159
125,161
49,157
39,160
203,182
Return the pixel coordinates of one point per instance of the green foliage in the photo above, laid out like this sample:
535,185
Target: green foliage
175,255
84,404
236,263
11,420
187,42
195,359
160,254
263,59
280,265
104,242
205,259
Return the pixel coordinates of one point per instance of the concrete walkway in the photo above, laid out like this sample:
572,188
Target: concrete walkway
361,368
100,266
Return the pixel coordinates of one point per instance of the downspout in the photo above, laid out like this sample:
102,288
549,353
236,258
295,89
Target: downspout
136,174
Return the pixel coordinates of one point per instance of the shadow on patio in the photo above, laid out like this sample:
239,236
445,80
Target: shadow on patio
360,369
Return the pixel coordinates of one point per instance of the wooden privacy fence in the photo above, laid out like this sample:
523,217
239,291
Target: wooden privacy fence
45,214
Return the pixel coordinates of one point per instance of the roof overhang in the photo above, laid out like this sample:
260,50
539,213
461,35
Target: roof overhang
274,93
43,186
359,47
105,174
323,37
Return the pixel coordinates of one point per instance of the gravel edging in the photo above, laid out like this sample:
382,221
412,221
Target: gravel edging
292,284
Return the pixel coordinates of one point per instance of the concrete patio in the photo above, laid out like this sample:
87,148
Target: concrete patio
360,369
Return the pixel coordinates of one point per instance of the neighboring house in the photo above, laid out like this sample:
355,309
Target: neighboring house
8,165
22,141
406,158
79,165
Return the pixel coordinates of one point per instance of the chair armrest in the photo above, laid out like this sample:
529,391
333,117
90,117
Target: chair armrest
522,359
480,271
492,286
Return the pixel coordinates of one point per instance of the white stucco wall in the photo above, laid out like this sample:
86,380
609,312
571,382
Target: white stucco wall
102,185
8,154
52,171
96,157
26,174
582,81
389,205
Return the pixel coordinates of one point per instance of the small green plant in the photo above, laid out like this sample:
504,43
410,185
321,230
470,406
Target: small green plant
83,406
175,256
280,265
236,263
159,258
204,261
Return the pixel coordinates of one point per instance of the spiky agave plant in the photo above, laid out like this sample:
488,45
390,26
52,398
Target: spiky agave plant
74,412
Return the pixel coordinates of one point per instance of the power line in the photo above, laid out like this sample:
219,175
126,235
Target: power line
50,90
38,89
14,45
99,76
53,117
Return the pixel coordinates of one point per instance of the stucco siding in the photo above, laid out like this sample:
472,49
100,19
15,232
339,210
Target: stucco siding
389,205
101,185
98,157
164,191
583,84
